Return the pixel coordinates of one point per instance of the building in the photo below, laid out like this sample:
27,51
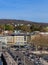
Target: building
10,39
3,40
18,39
0,48
44,33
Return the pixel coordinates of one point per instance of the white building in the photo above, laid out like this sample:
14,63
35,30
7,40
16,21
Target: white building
3,40
44,33
0,48
18,39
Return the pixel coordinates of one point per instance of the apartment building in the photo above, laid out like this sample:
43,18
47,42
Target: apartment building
18,39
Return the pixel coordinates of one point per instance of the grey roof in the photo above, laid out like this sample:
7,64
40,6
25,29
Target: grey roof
24,34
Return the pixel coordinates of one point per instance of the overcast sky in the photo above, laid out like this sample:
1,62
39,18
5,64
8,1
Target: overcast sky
33,10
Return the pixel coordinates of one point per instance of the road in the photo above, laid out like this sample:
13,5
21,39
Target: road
9,59
23,57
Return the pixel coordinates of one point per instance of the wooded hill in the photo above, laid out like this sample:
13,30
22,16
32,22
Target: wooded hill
7,21
33,26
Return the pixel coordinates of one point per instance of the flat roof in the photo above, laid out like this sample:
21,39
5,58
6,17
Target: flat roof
24,34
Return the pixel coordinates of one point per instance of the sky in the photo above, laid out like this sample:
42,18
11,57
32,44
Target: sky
32,10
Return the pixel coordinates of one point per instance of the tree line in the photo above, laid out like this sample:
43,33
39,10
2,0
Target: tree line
24,28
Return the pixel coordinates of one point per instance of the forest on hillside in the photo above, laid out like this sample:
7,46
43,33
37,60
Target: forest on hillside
24,26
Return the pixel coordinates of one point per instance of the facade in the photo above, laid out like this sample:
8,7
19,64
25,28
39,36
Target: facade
21,40
10,40
0,48
18,39
3,40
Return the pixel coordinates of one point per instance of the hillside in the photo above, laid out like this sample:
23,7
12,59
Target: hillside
6,21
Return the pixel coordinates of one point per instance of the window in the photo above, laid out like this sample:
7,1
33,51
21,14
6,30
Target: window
24,38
